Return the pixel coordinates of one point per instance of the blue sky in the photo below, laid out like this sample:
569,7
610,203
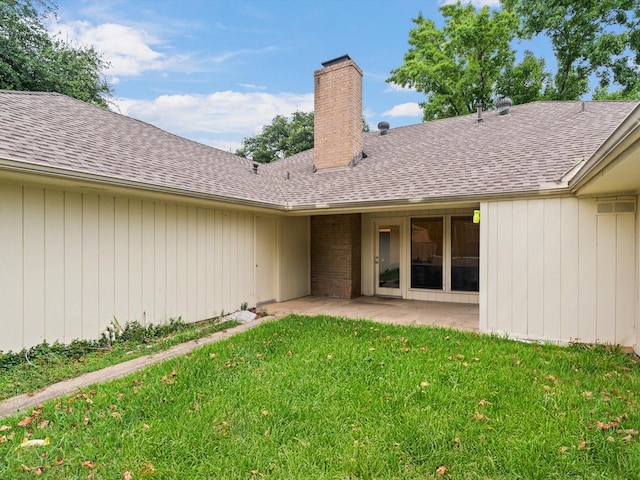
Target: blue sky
216,71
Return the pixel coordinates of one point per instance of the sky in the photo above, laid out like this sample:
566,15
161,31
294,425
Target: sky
217,71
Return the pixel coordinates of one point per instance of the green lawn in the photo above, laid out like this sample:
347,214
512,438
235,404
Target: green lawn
327,398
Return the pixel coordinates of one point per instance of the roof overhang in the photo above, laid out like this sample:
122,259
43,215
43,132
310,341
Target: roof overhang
15,171
614,169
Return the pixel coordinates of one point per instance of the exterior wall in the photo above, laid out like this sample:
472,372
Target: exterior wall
338,114
636,346
294,258
554,269
335,255
404,218
70,262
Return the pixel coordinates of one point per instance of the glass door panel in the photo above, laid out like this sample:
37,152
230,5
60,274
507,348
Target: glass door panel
388,260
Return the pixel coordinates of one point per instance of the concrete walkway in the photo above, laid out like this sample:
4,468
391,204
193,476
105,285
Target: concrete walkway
387,310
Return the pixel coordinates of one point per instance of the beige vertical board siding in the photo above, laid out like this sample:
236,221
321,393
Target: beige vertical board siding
148,273
587,301
491,284
225,280
219,262
606,278
54,265
504,266
569,270
201,256
171,262
181,263
265,259
106,262
520,266
121,260
72,266
249,259
11,276
637,283
135,261
192,264
294,257
34,249
211,263
625,279
160,263
90,266
484,253
536,254
548,268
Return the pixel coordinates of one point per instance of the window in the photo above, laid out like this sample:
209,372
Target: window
445,258
465,254
426,252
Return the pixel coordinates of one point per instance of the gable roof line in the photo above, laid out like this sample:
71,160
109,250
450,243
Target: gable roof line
608,151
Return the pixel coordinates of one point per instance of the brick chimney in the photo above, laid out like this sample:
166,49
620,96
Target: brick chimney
338,114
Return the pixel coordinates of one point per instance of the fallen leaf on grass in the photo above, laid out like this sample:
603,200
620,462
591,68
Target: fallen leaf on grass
256,472
442,470
127,476
89,464
484,402
3,439
43,423
265,413
480,417
38,442
582,446
39,470
4,428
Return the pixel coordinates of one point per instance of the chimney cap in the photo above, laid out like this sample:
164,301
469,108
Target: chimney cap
334,61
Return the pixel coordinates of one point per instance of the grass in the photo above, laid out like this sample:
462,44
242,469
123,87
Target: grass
43,365
327,398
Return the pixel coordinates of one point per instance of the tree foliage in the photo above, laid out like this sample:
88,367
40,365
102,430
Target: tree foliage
470,59
589,37
283,137
466,62
32,60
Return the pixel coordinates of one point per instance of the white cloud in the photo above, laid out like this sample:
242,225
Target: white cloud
229,115
394,87
130,51
404,110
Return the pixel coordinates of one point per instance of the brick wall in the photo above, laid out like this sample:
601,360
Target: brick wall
337,114
335,255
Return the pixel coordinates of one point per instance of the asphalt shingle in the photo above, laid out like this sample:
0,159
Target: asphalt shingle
456,158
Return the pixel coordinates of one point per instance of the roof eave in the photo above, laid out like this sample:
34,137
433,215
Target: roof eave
20,166
607,153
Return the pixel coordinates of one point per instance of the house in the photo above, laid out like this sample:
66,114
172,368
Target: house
103,216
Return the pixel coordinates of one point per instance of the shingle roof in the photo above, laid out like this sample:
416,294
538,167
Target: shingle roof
535,144
456,158
54,130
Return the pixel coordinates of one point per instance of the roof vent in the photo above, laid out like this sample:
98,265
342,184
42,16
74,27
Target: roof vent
479,107
255,168
383,127
503,105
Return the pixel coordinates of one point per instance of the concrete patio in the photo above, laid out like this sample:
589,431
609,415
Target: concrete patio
383,309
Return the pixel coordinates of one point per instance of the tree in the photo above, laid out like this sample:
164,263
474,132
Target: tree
31,60
283,137
466,62
589,37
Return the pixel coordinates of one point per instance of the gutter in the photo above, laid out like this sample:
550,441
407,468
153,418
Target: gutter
39,169
606,154
547,190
